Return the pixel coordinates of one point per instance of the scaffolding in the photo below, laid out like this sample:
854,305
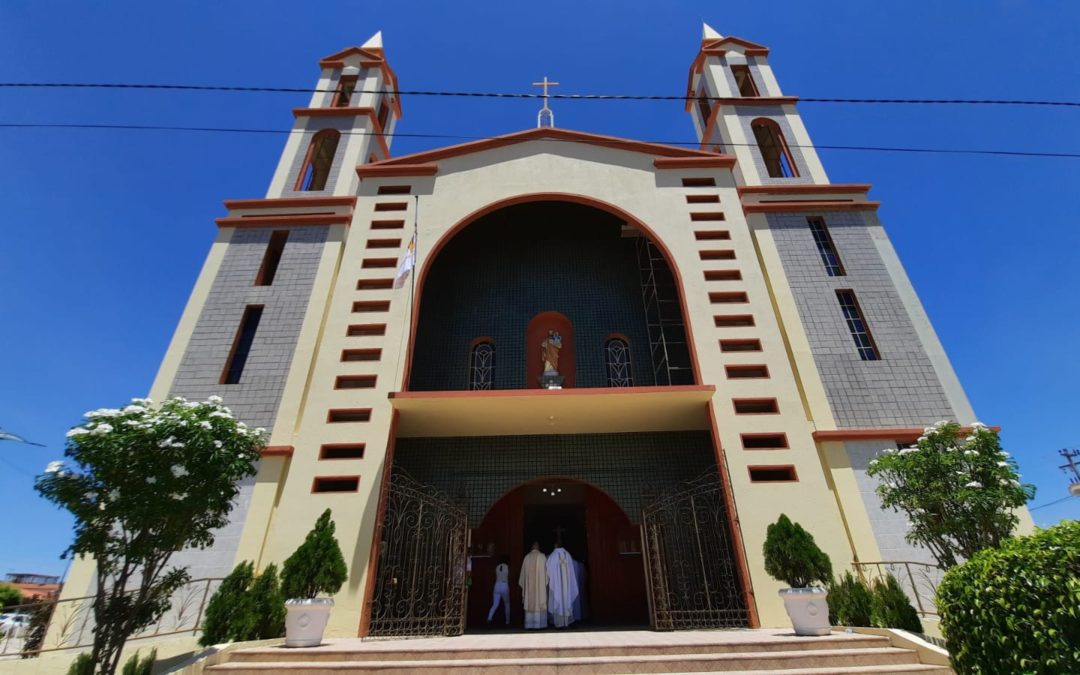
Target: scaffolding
663,317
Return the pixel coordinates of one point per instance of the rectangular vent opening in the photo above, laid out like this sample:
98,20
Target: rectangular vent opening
723,275
706,216
349,415
764,441
383,243
395,189
336,484
718,254
747,372
392,206
699,182
387,224
756,406
371,306
354,382
342,451
773,474
743,345
361,354
702,199
379,263
728,297
733,320
712,235
374,284
366,329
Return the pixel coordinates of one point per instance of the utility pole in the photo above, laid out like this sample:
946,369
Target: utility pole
1072,468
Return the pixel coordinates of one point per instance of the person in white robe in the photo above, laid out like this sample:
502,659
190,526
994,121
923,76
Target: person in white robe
533,582
579,601
501,591
562,587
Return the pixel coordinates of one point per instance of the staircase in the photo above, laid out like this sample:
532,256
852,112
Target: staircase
751,652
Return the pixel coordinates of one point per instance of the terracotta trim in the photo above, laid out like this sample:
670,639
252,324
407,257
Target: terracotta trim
784,207
755,100
717,162
289,202
360,306
711,235
703,199
287,220
333,112
374,284
382,243
516,393
721,319
733,520
387,224
754,342
790,468
367,381
723,275
378,263
380,522
728,297
370,354
366,330
317,480
717,254
701,216
390,171
899,434
330,415
278,451
838,188
337,446
747,368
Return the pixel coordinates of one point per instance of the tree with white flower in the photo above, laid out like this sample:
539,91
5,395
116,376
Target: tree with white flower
144,482
959,491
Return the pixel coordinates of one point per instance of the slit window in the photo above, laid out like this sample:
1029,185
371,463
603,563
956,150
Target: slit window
371,306
773,474
755,406
774,149
704,106
825,246
272,258
747,372
733,320
245,336
354,382
860,332
723,275
705,181
336,484
349,415
617,357
718,254
728,297
764,441
342,451
374,354
747,345
744,81
366,329
482,366
319,159
343,95
384,111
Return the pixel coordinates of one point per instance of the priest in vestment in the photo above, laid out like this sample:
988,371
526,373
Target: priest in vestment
562,586
533,582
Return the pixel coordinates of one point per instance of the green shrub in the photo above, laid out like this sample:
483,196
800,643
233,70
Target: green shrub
82,665
849,602
230,614
891,608
9,596
137,666
1016,608
317,566
268,605
791,556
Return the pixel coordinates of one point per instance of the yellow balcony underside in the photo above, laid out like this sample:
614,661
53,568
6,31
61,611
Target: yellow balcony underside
556,411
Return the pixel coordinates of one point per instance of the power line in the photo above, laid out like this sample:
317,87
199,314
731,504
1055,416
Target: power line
1056,501
525,95
600,141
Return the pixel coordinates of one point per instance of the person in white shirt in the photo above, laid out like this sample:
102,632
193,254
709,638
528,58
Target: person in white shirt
501,592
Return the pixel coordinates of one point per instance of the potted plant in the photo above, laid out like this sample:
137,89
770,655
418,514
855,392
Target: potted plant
317,567
791,556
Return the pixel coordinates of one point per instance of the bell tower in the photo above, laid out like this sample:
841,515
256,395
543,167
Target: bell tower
349,121
738,108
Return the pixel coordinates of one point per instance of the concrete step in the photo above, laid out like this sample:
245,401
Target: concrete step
865,659
401,650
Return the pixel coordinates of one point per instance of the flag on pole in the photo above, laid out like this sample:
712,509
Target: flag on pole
407,263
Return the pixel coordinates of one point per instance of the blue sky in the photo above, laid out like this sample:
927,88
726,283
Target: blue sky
103,232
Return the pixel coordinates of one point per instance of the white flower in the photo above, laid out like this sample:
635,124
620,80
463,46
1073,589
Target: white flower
969,453
260,431
218,444
971,438
151,480
907,451
222,414
55,467
922,438
1003,464
103,412
134,409
77,431
974,484
241,425
167,443
192,404
142,401
978,425
183,423
206,425
214,399
179,495
101,428
179,471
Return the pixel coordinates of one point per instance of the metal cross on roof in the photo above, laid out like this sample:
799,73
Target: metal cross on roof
546,117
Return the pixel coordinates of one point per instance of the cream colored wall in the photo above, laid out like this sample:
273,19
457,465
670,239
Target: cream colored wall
627,180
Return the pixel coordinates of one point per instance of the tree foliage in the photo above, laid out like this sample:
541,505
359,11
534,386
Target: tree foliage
959,493
245,607
1016,608
850,602
140,666
792,556
890,606
9,596
143,483
268,605
317,566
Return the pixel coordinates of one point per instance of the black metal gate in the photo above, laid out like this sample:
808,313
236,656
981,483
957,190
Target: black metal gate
420,585
690,561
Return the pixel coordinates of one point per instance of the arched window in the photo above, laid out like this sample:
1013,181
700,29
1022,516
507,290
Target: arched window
617,358
482,365
319,158
774,150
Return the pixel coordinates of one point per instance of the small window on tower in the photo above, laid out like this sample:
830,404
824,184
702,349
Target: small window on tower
345,89
856,322
320,158
272,258
774,150
245,336
617,357
704,106
384,110
825,246
482,365
744,81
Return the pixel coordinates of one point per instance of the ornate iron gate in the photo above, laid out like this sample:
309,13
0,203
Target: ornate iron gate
689,560
420,585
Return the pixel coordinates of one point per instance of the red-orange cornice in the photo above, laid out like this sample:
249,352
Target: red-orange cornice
289,202
287,220
715,162
371,57
719,48
278,451
808,205
376,128
839,188
377,170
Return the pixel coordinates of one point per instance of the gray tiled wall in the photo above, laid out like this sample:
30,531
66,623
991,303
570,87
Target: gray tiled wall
255,399
902,389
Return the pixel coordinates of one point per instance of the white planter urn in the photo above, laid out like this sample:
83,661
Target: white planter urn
306,620
808,610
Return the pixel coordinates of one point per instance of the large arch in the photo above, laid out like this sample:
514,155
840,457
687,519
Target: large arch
429,260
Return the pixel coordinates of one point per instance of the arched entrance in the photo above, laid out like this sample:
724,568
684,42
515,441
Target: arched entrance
593,529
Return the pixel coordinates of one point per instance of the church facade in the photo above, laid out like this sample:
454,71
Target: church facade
648,352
